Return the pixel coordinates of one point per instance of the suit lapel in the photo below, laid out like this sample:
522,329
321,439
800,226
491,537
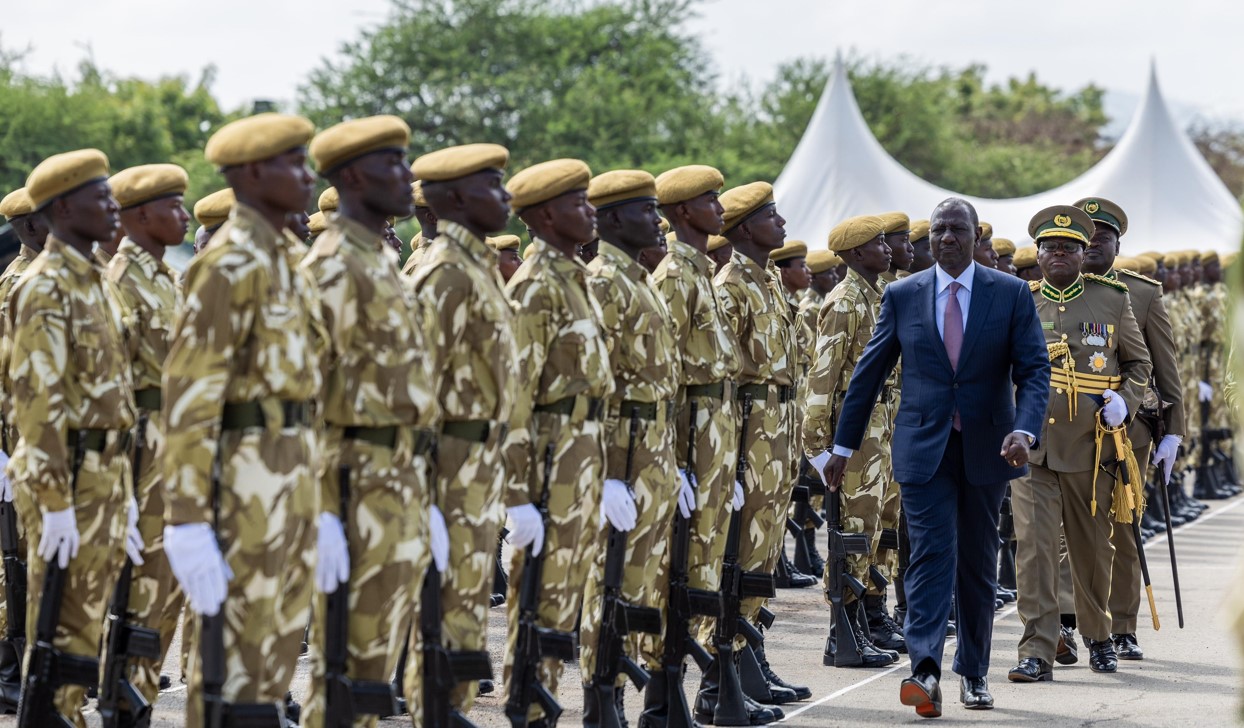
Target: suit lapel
978,308
928,316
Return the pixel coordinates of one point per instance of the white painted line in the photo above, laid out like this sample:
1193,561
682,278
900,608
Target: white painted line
997,618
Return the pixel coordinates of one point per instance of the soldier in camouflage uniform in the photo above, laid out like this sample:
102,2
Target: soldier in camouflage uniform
211,212
472,348
145,292
642,358
560,402
32,231
710,365
73,404
845,327
427,229
379,409
238,383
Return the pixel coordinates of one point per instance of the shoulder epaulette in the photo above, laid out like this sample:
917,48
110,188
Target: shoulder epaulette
1117,285
1138,276
1034,286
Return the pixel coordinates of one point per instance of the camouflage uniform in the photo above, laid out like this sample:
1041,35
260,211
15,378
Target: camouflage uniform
642,356
1213,345
846,324
710,363
238,381
757,315
1188,336
472,352
70,374
891,503
145,292
379,410
418,250
565,380
810,303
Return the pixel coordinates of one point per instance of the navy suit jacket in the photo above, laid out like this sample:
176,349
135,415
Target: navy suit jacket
1002,384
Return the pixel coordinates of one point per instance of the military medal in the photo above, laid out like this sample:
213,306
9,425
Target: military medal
1093,334
1097,361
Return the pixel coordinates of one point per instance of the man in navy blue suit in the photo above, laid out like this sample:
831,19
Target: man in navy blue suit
975,385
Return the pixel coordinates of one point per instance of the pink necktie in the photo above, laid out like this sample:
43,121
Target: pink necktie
952,333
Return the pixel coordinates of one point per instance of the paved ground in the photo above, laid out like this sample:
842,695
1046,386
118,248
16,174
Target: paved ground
1189,675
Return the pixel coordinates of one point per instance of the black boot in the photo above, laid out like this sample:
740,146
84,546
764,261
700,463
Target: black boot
10,677
293,709
591,707
486,687
786,576
801,692
656,702
755,686
884,632
706,703
866,656
807,560
861,623
500,582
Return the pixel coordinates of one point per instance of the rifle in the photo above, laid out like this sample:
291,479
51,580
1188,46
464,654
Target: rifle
619,617
684,603
535,643
346,699
14,579
50,668
121,705
801,496
846,648
737,585
217,712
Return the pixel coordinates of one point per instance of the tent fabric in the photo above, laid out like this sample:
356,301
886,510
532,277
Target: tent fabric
1172,197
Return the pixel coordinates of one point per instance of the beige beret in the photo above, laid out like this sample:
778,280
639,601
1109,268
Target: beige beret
416,194
740,202
329,200
16,204
716,242
256,138
820,261
895,222
919,230
1209,256
792,249
1145,266
504,242
63,173
1003,246
546,180
854,232
684,183
139,185
349,140
986,230
453,163
1025,257
213,210
1155,255
621,185
317,223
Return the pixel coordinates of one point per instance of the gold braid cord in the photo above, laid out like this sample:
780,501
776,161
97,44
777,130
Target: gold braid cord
1057,350
1128,501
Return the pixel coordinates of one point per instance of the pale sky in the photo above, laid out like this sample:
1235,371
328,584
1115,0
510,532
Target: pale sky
264,48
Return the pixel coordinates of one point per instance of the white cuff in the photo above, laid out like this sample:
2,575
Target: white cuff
841,451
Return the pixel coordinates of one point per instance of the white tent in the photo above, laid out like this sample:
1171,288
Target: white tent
1172,197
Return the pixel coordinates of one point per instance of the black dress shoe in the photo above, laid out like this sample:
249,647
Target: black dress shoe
974,692
951,630
1030,669
1102,657
922,692
166,682
1006,595
486,687
496,600
1066,653
1127,648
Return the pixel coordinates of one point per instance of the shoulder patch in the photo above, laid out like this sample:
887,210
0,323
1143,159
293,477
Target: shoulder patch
1034,286
1138,276
1116,285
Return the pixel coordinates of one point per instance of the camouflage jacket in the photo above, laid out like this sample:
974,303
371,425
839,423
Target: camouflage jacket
145,292
67,365
759,317
418,249
561,352
247,333
706,345
845,327
642,353
8,279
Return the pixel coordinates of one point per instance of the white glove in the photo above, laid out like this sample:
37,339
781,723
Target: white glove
818,462
526,528
60,537
686,493
1115,409
1204,392
737,501
133,539
617,505
333,565
1165,455
194,556
438,537
6,487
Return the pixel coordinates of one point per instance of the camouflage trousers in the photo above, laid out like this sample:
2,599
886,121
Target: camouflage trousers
886,559
387,531
766,496
269,501
100,507
468,484
868,475
656,493
569,535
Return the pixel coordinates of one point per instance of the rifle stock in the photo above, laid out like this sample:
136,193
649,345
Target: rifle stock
847,649
14,579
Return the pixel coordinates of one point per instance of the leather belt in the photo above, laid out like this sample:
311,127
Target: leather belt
715,390
566,407
242,415
92,439
386,436
148,399
760,392
472,430
645,410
